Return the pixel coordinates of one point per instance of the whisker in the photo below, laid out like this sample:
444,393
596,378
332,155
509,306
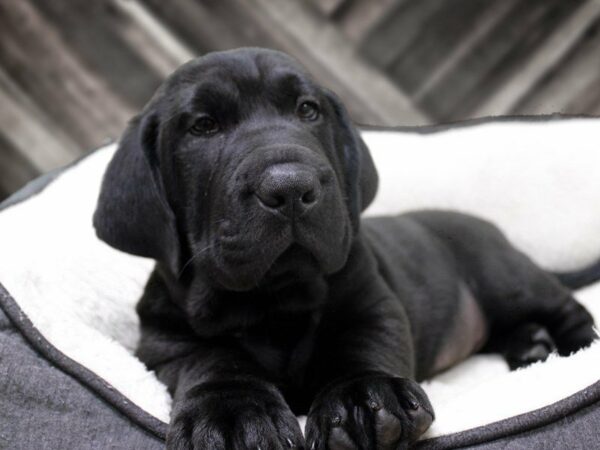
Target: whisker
193,258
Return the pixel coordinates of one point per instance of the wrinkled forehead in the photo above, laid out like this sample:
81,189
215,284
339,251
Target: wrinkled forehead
237,76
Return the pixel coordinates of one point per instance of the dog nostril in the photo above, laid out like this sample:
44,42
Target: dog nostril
277,201
309,197
272,200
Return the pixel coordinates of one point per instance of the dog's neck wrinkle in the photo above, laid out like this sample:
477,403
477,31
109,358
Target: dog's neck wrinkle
218,312
283,344
280,338
212,312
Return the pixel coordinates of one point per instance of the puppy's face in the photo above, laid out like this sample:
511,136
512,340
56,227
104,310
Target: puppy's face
259,172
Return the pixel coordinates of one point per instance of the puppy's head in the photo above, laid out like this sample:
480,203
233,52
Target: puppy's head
241,169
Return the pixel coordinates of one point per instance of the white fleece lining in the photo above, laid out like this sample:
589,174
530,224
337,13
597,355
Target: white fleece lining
537,180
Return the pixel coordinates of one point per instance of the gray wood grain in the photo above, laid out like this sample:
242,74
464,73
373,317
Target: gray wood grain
73,72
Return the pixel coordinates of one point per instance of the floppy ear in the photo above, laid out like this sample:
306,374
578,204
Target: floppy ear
362,179
133,214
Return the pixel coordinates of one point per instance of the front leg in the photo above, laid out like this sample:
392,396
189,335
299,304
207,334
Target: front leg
221,401
364,366
222,398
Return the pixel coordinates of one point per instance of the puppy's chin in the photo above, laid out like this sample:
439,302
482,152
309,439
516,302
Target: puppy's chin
239,263
238,277
280,265
295,265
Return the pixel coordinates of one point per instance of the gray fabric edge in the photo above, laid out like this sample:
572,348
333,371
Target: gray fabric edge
44,408
490,432
579,430
517,424
91,380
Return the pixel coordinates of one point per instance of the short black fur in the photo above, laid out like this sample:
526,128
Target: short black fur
245,181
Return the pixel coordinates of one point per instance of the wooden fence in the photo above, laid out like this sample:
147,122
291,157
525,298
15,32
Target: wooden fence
72,72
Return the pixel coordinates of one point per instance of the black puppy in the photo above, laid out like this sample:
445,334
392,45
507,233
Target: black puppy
245,180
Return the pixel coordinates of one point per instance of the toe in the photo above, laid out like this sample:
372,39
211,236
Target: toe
388,429
339,439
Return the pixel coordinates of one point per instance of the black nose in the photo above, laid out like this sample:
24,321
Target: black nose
290,189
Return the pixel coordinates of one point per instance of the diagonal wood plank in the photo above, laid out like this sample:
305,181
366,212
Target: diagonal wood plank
572,85
154,42
483,26
360,16
92,33
15,170
30,132
77,98
562,40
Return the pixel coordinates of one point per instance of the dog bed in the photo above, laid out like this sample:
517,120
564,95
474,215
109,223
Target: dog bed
68,327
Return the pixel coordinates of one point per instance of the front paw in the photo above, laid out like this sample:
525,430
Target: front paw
368,412
233,415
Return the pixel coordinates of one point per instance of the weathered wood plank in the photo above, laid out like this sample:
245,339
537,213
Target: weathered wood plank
397,30
15,169
439,35
573,84
542,60
482,27
328,8
92,32
155,43
41,63
360,16
496,58
209,25
72,73
31,132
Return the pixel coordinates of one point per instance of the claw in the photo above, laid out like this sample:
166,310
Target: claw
374,405
289,443
336,421
412,403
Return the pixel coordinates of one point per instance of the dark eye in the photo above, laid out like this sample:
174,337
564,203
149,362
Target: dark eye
205,126
308,110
